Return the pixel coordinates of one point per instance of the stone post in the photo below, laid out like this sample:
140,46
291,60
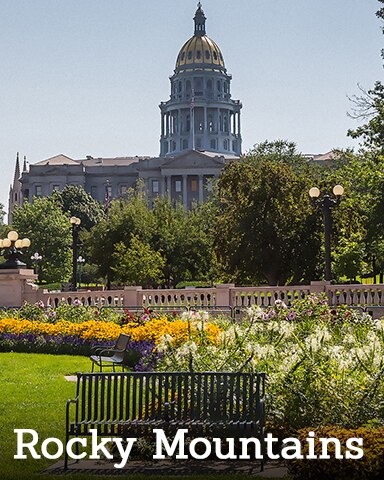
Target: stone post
223,294
17,287
132,296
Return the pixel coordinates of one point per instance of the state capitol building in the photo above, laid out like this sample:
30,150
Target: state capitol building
200,132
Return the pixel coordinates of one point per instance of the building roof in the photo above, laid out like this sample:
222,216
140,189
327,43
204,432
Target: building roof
120,161
58,160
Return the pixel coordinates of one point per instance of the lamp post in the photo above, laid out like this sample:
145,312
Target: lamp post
80,261
12,246
326,203
75,222
36,258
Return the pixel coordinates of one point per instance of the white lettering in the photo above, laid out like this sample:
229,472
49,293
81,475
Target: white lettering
99,446
350,446
206,443
324,449
71,442
311,446
124,453
244,448
295,447
161,441
55,441
21,444
231,449
270,440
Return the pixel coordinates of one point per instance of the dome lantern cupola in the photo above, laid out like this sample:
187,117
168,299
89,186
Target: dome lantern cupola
200,19
200,113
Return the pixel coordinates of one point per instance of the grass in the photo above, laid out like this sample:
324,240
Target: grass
33,394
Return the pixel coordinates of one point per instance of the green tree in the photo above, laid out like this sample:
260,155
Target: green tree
77,202
2,214
138,264
48,228
126,218
369,107
185,240
349,257
266,230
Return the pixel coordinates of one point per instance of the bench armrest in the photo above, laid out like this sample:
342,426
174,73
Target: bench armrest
67,409
109,351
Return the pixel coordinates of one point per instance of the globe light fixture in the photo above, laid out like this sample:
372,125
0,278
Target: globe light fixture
12,250
326,203
314,192
75,223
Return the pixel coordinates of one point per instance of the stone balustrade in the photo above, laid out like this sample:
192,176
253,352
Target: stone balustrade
17,287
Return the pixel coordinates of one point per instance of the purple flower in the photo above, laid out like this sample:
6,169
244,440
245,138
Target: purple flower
271,314
76,302
291,316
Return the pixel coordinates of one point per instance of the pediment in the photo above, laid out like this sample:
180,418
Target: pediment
58,160
193,159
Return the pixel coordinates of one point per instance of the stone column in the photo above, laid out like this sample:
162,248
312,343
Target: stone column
201,188
168,186
185,192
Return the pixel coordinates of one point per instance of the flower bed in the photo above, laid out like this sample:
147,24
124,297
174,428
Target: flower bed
324,366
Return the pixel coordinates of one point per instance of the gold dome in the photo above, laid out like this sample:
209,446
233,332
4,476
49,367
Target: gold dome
200,52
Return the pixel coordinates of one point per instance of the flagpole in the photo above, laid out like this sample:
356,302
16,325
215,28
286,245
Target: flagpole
193,119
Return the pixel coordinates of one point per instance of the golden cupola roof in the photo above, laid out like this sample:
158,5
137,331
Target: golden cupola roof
200,51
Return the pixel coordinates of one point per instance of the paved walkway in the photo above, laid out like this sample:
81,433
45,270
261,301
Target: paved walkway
171,468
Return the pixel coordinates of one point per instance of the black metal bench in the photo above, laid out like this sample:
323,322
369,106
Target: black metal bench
133,404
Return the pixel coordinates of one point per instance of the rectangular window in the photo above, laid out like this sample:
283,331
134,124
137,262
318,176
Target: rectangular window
194,185
123,189
38,191
109,191
155,186
178,186
209,184
55,187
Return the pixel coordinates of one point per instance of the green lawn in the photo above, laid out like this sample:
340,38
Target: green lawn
33,394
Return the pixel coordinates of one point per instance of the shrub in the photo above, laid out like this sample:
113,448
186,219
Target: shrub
370,467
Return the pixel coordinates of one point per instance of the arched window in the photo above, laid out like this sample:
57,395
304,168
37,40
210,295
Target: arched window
209,85
185,144
213,144
225,144
180,86
207,54
218,86
211,125
188,87
188,123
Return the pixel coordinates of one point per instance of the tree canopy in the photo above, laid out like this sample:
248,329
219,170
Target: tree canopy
48,228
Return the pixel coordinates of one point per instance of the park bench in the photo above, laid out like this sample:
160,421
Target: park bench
133,404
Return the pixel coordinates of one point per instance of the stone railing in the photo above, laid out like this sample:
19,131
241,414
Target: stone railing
17,287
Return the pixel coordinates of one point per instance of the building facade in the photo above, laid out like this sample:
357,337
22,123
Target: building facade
200,133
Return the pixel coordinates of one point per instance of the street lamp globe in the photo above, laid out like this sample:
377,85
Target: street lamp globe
7,243
338,190
18,243
75,221
12,236
314,192
25,243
